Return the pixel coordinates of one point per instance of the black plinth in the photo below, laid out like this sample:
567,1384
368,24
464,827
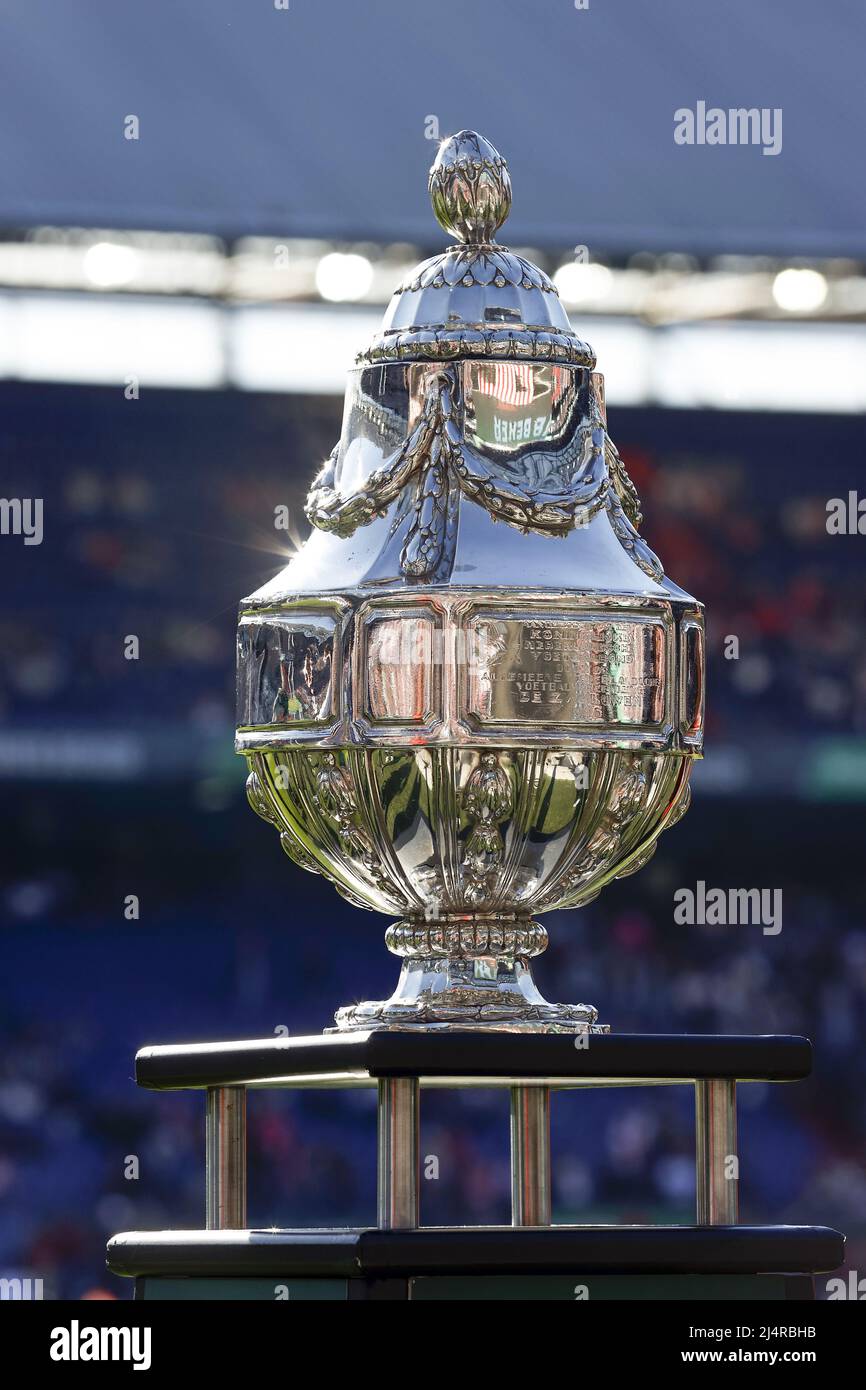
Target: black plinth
480,1250
688,1263
709,1261
499,1058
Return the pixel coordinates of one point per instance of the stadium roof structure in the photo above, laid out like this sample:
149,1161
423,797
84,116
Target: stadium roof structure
299,119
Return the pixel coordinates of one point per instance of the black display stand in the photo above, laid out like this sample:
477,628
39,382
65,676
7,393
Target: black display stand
715,1259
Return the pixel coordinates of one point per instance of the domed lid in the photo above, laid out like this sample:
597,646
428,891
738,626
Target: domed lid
476,298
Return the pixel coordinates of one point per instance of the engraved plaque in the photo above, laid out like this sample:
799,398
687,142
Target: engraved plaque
583,669
285,670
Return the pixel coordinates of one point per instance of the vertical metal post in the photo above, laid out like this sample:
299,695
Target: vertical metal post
530,1156
716,1153
226,1158
399,1155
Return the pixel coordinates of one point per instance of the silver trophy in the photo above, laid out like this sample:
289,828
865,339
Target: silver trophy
473,697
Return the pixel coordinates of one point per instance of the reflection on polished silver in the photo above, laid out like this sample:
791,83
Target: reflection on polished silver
399,1153
530,1156
527,442
716,1155
226,1158
474,695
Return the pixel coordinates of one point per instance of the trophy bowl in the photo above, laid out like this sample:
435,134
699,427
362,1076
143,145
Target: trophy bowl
473,697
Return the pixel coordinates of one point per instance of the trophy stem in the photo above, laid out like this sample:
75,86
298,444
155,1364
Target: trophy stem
466,973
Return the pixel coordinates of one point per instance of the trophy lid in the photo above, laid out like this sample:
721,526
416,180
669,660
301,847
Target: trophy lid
476,404
476,298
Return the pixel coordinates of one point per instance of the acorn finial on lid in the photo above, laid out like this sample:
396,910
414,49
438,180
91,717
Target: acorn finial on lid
470,188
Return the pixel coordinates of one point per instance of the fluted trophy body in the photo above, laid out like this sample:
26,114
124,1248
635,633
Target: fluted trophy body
474,696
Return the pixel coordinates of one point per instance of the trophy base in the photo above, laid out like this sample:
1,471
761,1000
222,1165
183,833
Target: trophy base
708,1257
468,974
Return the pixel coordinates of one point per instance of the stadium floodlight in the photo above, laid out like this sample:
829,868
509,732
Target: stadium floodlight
583,282
108,265
342,276
799,290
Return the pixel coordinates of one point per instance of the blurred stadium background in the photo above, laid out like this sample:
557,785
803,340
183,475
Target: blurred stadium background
176,316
